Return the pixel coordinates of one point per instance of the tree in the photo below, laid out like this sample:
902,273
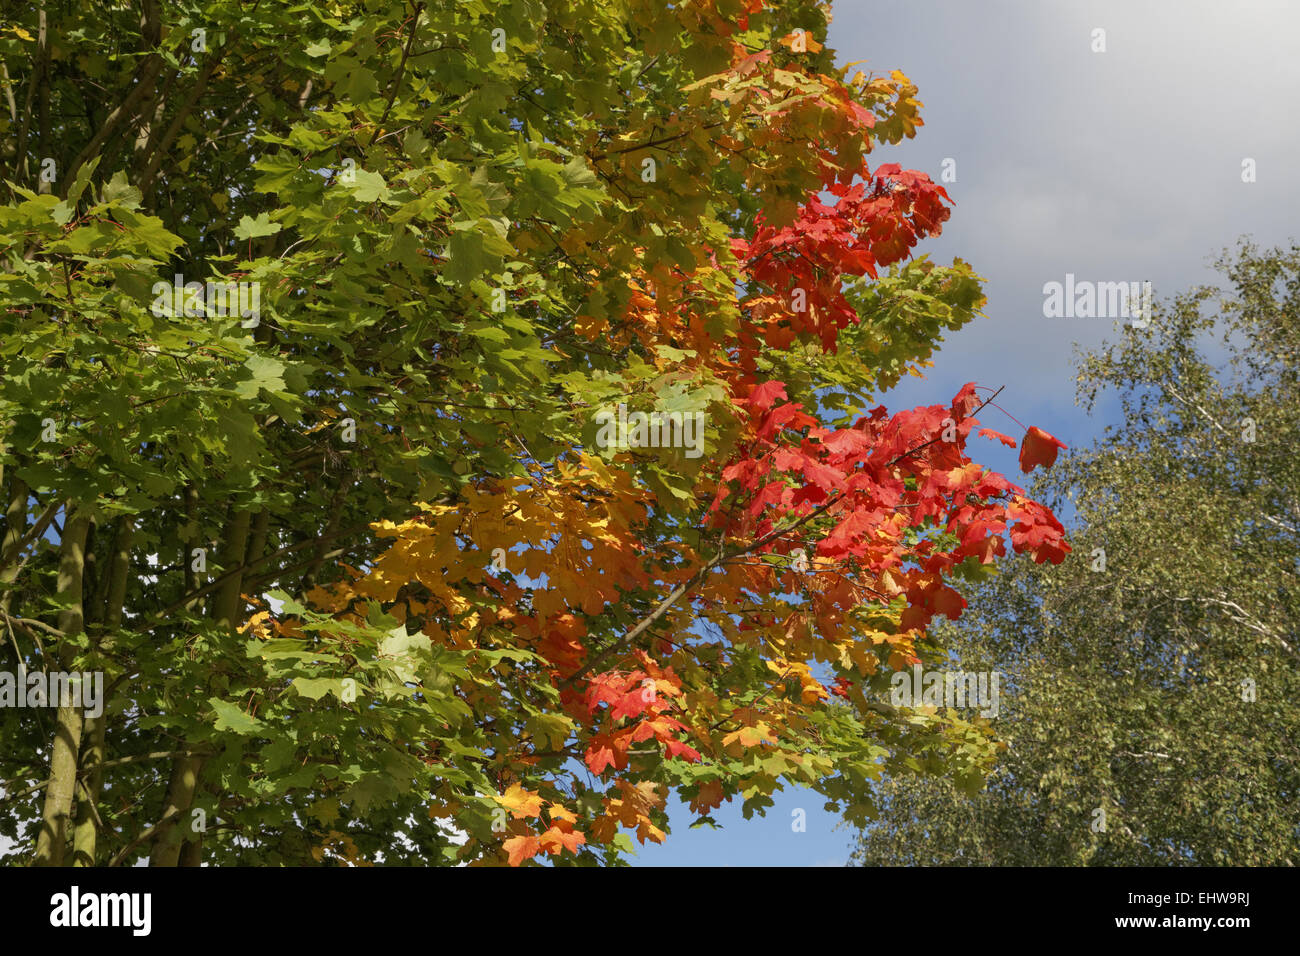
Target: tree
1153,672
470,238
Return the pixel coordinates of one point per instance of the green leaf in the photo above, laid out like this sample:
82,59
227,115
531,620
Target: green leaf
368,186
250,228
266,373
315,688
232,718
466,259
118,190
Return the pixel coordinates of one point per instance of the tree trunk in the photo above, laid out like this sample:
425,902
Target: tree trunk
86,834
52,840
15,529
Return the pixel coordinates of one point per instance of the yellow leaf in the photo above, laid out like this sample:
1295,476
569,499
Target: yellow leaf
750,736
520,802
559,812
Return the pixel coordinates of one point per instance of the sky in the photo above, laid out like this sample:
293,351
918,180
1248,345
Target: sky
1115,166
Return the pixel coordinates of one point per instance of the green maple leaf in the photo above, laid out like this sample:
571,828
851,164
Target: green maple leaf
233,719
267,373
369,187
250,228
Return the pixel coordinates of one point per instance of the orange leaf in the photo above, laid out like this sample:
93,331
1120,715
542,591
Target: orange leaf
556,839
522,848
749,736
804,40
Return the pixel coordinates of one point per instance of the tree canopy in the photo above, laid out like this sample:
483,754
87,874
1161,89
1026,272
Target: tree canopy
309,320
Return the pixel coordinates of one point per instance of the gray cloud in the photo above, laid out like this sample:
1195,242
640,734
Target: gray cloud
1115,166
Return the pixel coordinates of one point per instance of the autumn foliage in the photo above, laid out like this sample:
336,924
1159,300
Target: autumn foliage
367,581
666,640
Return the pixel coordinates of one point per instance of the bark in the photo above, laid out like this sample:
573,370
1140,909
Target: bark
257,540
86,835
15,531
52,840
187,558
43,100
158,148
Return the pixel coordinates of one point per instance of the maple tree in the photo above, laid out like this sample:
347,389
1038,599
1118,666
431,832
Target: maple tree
475,225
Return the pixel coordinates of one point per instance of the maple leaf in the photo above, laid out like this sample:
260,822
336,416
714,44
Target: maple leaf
557,838
709,796
559,812
607,750
965,401
1038,448
645,830
522,848
990,433
645,795
675,748
765,395
520,802
604,828
750,736
791,38
949,602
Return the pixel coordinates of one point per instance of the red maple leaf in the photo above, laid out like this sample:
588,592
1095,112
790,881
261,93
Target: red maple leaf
990,433
1038,448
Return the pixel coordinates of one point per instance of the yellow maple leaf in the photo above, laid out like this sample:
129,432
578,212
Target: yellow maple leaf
560,812
799,41
760,733
520,802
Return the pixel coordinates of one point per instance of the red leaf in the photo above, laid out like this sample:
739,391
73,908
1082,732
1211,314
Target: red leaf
601,755
990,433
965,402
1038,448
765,396
949,602
676,748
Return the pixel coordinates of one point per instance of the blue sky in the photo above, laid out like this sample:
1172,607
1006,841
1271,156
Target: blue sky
1123,165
